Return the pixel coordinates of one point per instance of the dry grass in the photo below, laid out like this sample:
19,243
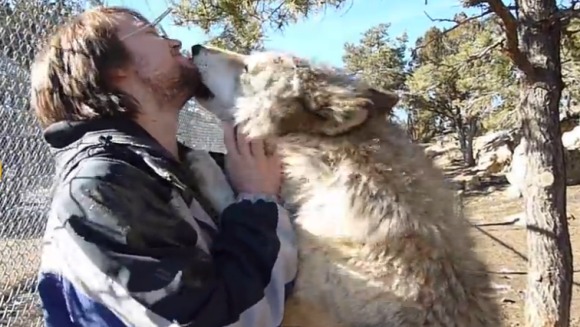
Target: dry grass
504,248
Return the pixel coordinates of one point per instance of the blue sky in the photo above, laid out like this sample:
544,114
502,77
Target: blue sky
322,37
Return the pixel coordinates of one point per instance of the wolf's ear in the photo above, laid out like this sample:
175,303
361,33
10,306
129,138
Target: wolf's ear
342,113
344,109
383,101
338,112
337,108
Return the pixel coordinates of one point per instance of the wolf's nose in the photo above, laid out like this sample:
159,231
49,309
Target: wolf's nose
196,49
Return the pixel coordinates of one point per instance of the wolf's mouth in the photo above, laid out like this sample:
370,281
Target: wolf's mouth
202,91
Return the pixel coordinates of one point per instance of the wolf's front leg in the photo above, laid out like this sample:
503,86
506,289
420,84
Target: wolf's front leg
213,184
298,313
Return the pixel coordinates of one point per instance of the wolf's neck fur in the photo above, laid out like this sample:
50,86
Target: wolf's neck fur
360,185
358,189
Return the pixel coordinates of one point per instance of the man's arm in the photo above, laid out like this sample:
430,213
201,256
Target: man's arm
127,228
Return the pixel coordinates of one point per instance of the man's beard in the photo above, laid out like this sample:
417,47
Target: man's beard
174,87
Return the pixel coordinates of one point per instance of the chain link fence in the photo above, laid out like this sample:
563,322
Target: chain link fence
26,162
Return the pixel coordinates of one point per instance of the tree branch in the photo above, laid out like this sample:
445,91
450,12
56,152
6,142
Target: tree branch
430,105
457,25
567,14
472,57
510,23
485,50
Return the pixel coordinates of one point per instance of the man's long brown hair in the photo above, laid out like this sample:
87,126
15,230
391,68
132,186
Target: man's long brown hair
69,75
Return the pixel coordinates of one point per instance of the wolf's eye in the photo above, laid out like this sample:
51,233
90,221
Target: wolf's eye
246,68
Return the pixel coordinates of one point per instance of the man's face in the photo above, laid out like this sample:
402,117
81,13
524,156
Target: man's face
157,62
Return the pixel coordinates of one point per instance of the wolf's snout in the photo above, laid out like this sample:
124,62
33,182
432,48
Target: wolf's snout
196,49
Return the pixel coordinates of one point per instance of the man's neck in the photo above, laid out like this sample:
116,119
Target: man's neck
163,128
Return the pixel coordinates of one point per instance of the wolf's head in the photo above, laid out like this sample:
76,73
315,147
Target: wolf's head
273,94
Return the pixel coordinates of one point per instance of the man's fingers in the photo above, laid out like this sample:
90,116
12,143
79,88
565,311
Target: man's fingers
276,158
230,138
257,148
243,144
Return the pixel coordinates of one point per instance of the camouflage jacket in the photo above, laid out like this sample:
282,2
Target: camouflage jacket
122,247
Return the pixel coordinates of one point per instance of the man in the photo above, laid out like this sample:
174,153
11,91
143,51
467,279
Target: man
130,241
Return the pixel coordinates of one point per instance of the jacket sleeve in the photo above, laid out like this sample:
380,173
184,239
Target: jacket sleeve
119,221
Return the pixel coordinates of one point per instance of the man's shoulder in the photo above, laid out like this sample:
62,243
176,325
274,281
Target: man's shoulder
122,171
104,166
109,193
111,156
113,184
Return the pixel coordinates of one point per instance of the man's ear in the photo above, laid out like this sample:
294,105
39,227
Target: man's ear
117,75
383,101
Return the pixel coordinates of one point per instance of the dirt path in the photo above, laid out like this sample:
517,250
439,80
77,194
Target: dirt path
504,248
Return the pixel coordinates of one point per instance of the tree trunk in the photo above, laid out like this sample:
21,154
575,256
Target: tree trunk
472,129
411,128
550,258
468,156
465,141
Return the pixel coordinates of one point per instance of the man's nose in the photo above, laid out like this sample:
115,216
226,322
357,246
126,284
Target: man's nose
196,49
175,43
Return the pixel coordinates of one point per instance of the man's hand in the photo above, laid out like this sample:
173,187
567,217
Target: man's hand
249,168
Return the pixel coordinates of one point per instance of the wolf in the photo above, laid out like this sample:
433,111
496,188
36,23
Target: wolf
381,242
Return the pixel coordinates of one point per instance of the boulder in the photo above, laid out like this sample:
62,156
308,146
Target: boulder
466,182
571,143
493,151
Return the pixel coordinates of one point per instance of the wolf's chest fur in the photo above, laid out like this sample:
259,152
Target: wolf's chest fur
379,236
334,229
379,243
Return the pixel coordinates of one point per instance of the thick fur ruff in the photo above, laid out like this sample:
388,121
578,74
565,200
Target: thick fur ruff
380,240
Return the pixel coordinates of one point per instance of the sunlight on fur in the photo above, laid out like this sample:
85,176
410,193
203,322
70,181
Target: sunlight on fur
380,241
